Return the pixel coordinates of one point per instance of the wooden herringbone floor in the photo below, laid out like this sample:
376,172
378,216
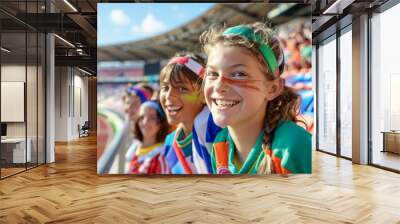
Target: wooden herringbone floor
70,191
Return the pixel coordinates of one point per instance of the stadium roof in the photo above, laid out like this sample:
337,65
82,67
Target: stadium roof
186,37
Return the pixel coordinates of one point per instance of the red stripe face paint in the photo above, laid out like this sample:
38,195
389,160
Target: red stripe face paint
241,83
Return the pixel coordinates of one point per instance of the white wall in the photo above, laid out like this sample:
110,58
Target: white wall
33,126
61,103
81,100
71,93
15,73
12,101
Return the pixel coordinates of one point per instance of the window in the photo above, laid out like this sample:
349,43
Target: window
385,89
346,74
327,96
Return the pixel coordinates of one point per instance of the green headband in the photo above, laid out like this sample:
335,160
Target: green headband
249,34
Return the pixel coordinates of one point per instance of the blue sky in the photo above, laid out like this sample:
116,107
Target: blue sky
125,22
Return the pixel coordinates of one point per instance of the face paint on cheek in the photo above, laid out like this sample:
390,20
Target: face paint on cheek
242,83
191,97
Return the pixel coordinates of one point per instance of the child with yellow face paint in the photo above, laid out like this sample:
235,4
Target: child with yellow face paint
182,100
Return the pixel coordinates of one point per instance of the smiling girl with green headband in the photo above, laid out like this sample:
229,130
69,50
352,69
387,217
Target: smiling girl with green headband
247,97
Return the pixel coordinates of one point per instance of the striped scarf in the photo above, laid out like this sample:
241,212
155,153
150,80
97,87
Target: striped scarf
260,160
180,142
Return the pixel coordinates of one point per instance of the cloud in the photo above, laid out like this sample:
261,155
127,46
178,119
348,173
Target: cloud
149,25
136,29
119,18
